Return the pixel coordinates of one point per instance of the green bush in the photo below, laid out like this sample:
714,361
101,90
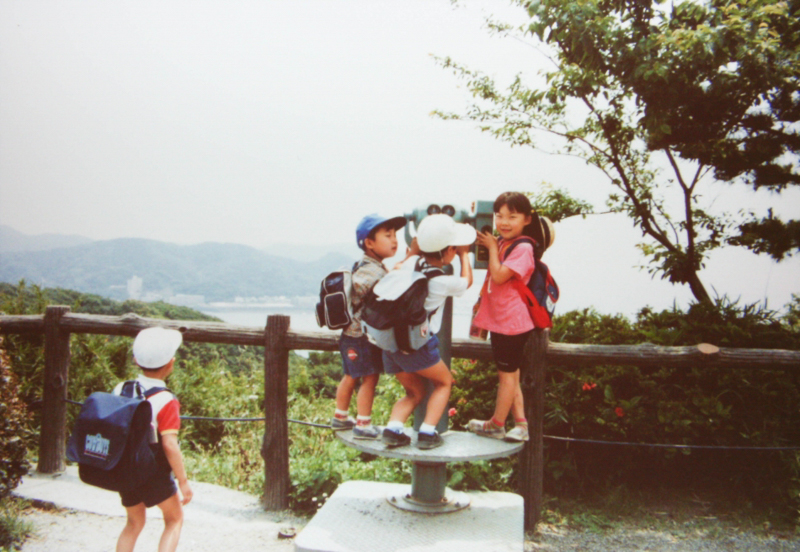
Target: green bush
701,405
13,429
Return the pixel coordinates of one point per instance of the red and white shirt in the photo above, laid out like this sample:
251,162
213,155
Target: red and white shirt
166,408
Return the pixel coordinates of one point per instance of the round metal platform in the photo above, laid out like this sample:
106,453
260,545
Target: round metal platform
429,493
459,446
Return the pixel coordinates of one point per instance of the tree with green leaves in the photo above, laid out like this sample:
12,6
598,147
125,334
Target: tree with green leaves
666,99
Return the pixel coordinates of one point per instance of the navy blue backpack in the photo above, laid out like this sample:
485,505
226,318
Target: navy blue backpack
111,439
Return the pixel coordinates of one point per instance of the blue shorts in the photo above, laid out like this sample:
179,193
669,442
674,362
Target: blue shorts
156,490
360,357
424,357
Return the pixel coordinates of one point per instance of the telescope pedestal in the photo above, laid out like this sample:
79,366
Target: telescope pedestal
364,515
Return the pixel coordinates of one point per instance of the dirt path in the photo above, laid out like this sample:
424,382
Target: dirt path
59,530
73,531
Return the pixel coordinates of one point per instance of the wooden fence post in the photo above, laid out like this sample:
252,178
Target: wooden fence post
531,470
53,435
275,446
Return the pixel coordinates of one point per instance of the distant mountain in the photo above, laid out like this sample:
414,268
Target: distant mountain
219,272
11,241
302,252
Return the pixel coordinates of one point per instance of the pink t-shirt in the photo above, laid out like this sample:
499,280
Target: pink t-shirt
502,310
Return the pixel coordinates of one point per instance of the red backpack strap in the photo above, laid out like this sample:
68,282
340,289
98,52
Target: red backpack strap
522,288
507,248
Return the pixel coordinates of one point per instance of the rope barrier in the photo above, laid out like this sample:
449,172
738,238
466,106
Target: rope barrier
661,445
551,437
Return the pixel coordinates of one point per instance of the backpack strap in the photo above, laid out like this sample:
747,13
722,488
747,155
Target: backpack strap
134,389
153,390
505,251
428,270
508,248
357,265
523,290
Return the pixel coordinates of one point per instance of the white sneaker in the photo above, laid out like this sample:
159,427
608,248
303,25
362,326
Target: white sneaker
486,429
518,433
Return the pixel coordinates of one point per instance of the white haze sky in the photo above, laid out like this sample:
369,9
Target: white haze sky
285,121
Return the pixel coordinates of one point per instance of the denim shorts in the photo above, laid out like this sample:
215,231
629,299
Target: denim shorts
360,357
509,351
156,490
424,357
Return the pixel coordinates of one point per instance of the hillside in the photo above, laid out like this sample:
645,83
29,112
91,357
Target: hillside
12,241
219,272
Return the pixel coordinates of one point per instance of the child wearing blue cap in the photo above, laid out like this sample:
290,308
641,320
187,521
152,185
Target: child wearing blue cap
361,360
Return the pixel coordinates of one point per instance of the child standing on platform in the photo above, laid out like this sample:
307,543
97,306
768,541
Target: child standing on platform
361,360
503,312
439,240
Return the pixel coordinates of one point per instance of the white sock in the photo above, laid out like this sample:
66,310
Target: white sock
364,421
427,428
395,426
340,413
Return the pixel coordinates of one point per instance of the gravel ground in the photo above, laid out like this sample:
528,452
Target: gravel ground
70,530
59,530
708,536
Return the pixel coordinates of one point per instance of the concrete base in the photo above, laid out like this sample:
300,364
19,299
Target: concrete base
359,518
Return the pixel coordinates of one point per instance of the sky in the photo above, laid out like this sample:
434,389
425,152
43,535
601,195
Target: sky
285,121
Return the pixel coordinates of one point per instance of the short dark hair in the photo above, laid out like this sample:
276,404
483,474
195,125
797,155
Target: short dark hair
515,201
436,254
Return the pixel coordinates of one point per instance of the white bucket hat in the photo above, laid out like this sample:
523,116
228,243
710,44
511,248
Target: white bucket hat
155,347
436,232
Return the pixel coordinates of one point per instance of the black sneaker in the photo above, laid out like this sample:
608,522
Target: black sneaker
393,439
427,441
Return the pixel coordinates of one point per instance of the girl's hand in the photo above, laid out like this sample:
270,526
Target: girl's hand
487,240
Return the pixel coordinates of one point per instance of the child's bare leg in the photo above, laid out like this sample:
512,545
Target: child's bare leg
366,394
415,392
173,523
508,392
344,392
518,408
442,380
137,515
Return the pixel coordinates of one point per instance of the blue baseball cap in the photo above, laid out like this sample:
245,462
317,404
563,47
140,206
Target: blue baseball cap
371,222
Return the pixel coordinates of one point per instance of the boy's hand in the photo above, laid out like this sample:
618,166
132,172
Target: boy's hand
414,249
462,250
186,491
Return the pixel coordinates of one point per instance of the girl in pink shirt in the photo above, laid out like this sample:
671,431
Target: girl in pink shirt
503,312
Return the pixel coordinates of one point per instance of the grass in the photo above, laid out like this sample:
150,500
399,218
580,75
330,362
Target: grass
13,528
708,511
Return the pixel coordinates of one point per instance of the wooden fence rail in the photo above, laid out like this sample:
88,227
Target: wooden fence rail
58,323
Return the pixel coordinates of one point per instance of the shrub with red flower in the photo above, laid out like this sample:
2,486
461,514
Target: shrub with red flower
619,411
589,386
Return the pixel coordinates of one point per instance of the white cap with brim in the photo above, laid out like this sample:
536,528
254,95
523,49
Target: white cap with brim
155,347
436,232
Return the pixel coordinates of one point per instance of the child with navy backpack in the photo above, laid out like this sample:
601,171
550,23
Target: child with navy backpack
154,352
523,238
361,360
